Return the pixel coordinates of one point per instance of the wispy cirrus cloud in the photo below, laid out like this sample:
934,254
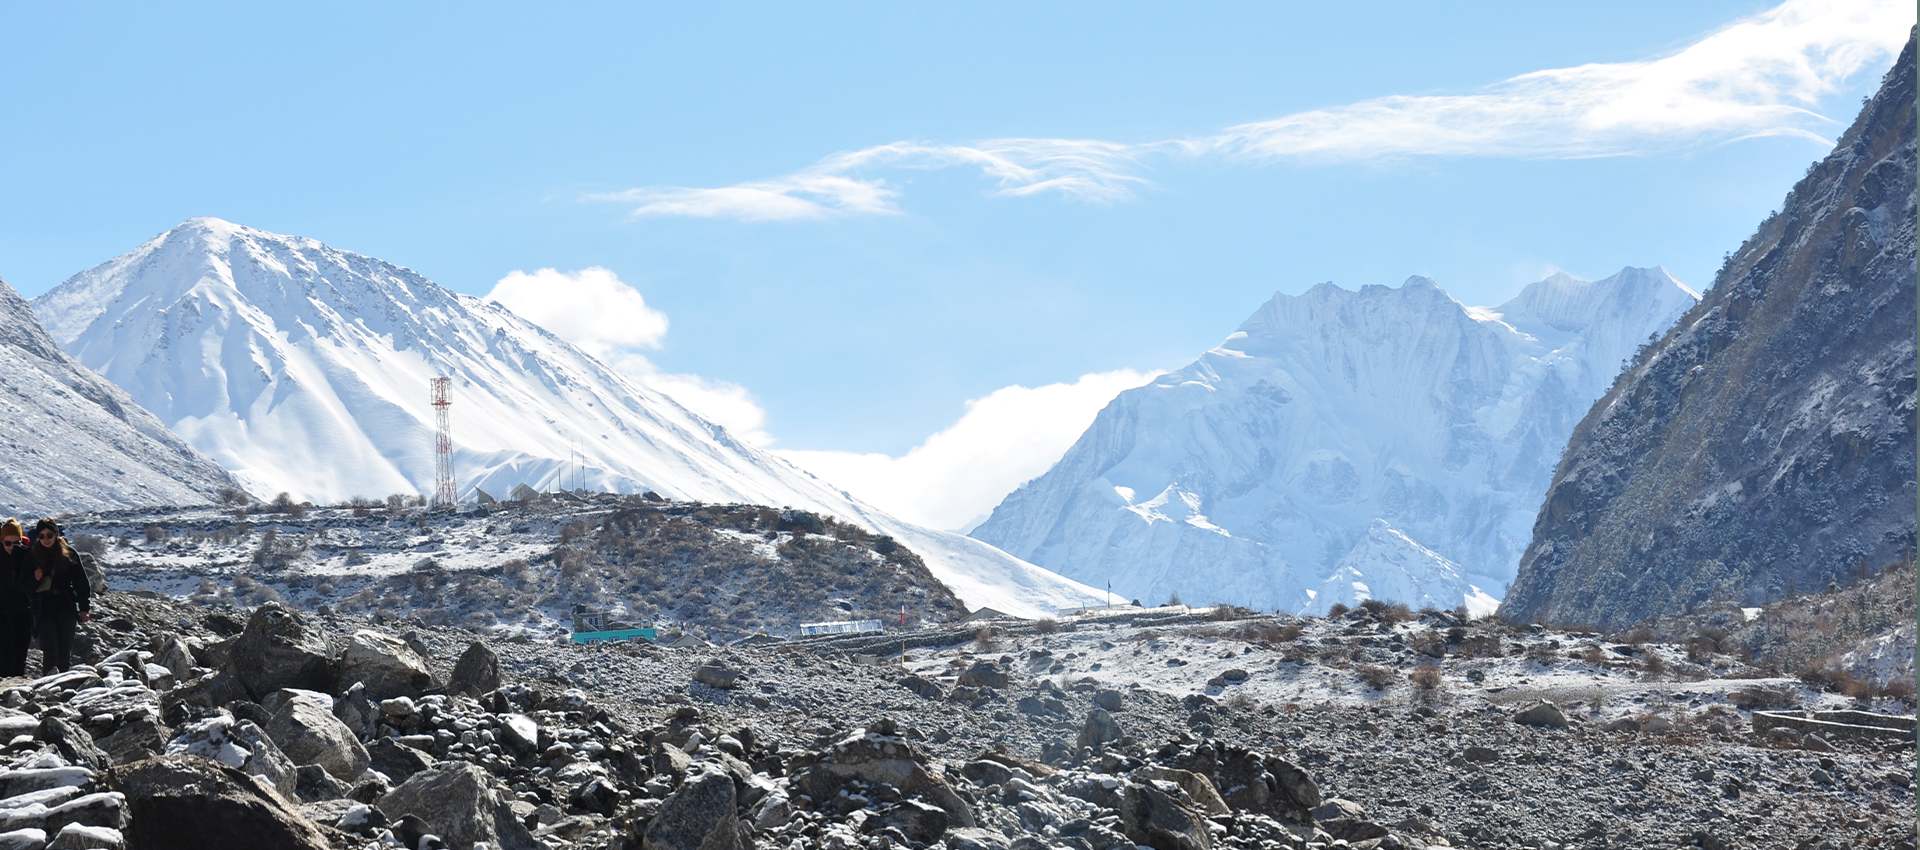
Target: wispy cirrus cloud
838,185
1759,76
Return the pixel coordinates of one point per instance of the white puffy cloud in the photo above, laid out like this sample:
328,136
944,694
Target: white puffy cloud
950,480
609,319
955,477
592,308
1759,76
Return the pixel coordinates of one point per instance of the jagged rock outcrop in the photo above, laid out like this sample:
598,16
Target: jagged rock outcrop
1764,446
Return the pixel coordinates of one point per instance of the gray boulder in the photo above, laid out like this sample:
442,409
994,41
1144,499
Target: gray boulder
699,816
277,650
190,803
983,673
1542,713
1158,815
476,673
72,743
462,805
304,726
398,761
76,836
879,755
386,664
137,738
236,744
173,653
1099,729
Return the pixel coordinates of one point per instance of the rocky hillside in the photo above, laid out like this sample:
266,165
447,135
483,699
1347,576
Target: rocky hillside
1765,446
198,727
1857,637
77,442
720,571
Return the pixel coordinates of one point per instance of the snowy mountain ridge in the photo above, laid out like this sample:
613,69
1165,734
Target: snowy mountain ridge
75,441
303,368
1257,474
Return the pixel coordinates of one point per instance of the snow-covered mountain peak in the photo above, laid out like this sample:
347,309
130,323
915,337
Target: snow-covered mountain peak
305,368
1327,419
1564,304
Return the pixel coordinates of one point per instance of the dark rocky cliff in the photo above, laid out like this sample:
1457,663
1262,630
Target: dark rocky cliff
1765,445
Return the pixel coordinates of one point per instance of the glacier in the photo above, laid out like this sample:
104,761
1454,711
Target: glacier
304,369
1340,444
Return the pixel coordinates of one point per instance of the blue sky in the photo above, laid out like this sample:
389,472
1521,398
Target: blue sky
468,141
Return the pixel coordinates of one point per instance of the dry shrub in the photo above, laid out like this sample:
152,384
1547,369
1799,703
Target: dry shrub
985,639
1376,676
1046,625
1425,678
1231,612
1593,654
1267,632
1428,643
1900,689
1337,609
1482,646
1395,612
1653,663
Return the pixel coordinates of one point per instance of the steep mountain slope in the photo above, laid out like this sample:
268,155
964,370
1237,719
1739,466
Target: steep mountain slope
75,441
1253,473
1765,445
305,369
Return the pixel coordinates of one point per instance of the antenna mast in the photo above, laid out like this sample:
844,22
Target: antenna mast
443,493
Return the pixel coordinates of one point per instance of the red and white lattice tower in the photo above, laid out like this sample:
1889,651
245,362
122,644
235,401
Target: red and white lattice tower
443,493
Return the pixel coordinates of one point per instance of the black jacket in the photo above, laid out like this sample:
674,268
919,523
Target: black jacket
16,578
71,592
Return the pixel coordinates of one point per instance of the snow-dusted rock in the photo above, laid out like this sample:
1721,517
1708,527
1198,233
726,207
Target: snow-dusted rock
304,727
387,666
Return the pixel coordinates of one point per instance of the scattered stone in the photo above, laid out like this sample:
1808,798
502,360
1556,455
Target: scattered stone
715,675
463,806
699,816
1543,713
1099,729
477,673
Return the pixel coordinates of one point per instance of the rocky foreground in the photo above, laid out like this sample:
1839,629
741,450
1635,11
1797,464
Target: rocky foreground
217,728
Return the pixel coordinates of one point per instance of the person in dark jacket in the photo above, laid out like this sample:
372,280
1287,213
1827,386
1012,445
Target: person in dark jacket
16,598
62,598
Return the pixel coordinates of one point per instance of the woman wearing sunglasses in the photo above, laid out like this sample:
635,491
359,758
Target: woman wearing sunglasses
62,598
16,598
